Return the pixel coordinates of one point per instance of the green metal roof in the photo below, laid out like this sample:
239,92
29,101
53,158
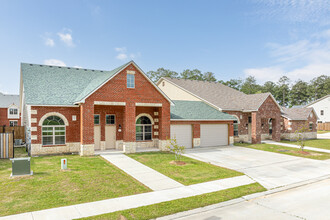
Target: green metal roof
196,110
54,85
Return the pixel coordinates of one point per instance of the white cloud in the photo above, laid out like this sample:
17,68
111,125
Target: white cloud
54,62
304,59
121,49
66,37
317,11
121,56
49,42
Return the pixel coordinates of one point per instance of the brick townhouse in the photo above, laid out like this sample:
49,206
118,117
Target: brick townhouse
74,110
9,110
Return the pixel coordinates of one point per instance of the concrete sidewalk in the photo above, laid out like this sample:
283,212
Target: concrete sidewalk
296,146
149,177
129,202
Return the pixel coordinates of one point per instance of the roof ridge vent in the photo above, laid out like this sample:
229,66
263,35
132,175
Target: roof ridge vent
50,66
40,65
69,68
85,69
31,64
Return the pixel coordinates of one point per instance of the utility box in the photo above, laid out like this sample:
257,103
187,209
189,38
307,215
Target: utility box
21,166
64,164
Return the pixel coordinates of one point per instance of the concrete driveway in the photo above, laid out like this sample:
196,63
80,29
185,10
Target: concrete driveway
305,202
269,169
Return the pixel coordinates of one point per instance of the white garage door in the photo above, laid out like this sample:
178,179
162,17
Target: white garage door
214,135
183,134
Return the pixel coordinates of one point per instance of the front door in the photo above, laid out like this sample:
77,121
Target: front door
97,137
110,136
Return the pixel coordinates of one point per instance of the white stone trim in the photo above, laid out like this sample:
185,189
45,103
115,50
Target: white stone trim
147,115
156,113
155,126
130,72
156,119
34,128
148,104
66,122
156,133
34,112
34,137
109,103
33,120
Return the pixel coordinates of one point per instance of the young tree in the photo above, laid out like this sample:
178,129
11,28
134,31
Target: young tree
250,86
175,148
299,94
301,133
209,76
192,74
161,72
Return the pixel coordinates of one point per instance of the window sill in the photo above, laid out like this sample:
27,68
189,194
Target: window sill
145,141
58,145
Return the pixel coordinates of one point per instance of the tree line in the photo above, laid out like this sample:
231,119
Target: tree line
286,92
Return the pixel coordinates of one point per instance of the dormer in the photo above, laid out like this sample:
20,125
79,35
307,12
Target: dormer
13,112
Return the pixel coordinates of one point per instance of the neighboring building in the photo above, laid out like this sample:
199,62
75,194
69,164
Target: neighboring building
9,110
322,108
73,110
258,116
295,118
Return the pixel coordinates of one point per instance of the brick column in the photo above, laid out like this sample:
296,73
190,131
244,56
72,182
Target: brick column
276,128
164,122
256,128
129,123
129,144
164,126
87,129
230,133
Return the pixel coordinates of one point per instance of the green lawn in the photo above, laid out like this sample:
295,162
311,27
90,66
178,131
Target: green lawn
322,132
88,179
193,172
180,205
286,150
318,143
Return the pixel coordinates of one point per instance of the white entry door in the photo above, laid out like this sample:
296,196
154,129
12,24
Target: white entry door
214,135
110,136
183,135
97,137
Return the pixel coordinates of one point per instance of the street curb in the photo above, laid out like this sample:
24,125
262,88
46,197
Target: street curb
243,199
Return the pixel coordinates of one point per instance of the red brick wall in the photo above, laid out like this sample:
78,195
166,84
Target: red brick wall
242,128
72,131
269,109
298,124
116,91
4,118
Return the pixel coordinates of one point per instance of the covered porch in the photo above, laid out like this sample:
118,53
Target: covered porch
122,126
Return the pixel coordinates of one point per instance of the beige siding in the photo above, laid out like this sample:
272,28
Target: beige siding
175,93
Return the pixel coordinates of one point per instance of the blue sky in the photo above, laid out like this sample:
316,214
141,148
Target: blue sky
233,39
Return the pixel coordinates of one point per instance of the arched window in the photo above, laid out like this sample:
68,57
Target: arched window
53,131
143,129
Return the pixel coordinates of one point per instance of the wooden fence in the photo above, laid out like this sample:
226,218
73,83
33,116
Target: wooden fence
19,131
323,126
6,145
